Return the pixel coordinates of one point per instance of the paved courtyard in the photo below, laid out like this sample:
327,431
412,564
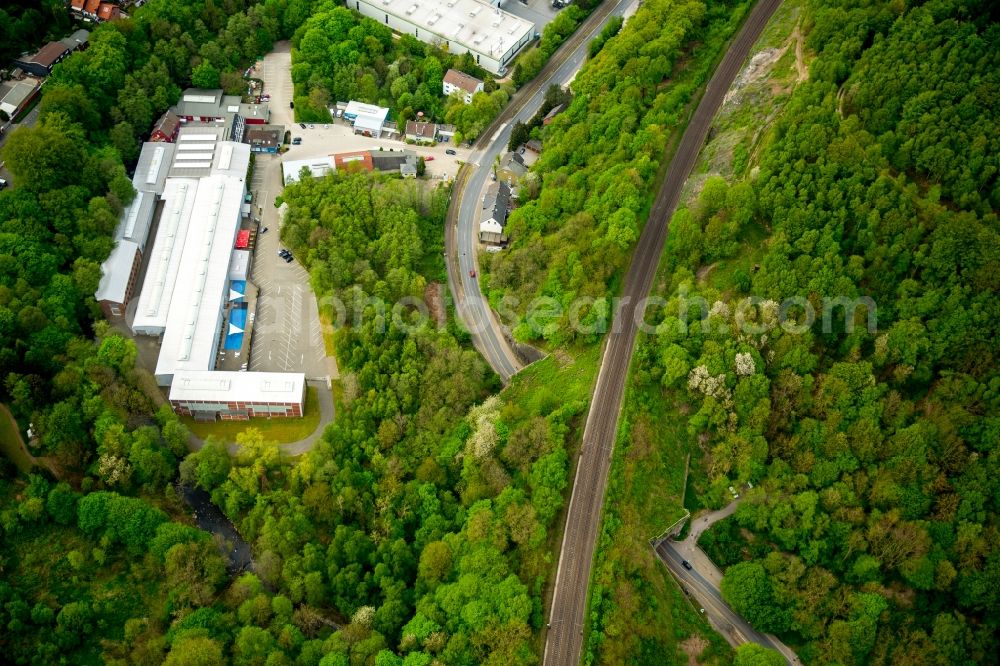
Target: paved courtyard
339,137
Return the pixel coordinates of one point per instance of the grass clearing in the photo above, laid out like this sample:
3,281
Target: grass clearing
560,377
11,444
281,430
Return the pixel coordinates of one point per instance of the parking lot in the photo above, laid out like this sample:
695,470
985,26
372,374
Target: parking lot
276,71
287,336
539,12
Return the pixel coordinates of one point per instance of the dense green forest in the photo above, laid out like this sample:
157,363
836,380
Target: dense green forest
870,534
582,207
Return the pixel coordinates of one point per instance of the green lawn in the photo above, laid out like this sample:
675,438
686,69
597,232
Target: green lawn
277,430
11,444
563,376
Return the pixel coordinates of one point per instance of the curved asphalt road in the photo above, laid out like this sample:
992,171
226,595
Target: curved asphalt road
567,618
462,224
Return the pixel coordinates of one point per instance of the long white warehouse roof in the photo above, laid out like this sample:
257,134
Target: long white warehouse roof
164,262
194,316
247,387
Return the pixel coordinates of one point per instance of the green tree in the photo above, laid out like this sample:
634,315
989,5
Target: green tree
205,75
751,654
195,651
748,589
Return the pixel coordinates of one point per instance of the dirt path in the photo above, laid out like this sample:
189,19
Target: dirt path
800,62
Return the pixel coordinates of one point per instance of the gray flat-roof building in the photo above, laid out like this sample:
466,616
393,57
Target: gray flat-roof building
77,41
120,270
16,95
41,62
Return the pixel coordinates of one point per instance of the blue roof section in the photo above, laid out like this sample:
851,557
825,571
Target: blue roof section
236,329
237,289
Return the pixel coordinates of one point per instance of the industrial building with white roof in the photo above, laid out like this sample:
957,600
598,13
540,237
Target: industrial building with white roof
490,34
267,394
193,192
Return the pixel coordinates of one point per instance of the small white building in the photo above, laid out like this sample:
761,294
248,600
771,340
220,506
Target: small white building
239,265
490,34
317,166
493,217
15,95
463,84
367,119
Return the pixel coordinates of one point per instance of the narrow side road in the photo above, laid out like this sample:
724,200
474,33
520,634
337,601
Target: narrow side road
462,222
289,449
567,617
703,580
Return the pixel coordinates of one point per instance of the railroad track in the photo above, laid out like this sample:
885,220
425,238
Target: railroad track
564,641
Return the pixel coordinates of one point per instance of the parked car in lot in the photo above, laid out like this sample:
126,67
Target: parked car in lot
283,251
429,158
297,141
3,183
312,127
450,151
302,125
288,258
291,105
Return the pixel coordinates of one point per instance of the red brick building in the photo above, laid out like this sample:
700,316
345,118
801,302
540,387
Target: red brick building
166,127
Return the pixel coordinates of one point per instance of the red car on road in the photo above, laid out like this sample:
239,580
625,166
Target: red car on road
472,273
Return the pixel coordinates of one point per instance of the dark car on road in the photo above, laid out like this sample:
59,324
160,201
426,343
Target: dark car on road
686,564
450,152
